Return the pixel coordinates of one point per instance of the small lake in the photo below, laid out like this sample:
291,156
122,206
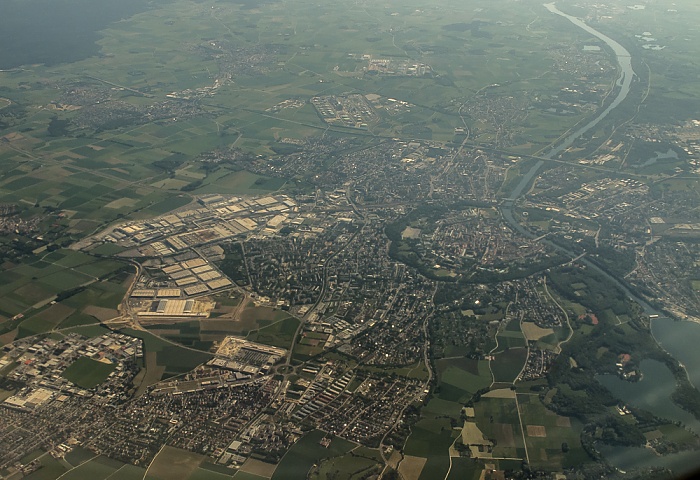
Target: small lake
628,458
682,340
670,154
652,393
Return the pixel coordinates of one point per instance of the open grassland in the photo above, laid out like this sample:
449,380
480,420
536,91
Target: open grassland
306,452
507,364
170,358
174,463
280,333
88,373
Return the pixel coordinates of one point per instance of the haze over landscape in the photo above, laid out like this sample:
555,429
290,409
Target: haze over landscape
290,239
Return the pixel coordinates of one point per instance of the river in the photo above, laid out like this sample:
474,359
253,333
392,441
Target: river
678,338
622,85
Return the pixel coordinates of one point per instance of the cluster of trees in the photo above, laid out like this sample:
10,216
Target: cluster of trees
600,293
233,264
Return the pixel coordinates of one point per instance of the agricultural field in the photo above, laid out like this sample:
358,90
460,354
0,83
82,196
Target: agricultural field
99,468
351,466
497,417
553,441
174,463
80,464
417,370
460,378
507,364
188,334
241,475
50,469
430,440
432,436
257,468
163,358
225,321
465,469
511,336
62,290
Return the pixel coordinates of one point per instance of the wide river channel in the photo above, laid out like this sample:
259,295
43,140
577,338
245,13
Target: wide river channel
678,338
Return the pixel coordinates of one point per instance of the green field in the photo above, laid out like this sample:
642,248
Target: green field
465,469
88,373
696,285
350,467
204,474
306,452
129,472
279,334
78,456
432,436
50,469
185,333
62,289
174,462
174,358
98,468
508,364
461,377
247,476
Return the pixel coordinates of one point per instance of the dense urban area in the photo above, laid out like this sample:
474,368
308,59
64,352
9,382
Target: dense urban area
387,240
